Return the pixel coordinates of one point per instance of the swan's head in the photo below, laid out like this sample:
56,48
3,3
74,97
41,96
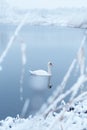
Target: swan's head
50,63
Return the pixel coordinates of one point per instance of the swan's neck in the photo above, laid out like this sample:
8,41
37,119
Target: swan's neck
49,69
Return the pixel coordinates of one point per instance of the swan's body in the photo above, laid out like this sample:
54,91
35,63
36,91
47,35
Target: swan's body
43,72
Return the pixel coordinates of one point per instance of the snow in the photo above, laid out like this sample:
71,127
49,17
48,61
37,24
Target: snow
64,16
68,118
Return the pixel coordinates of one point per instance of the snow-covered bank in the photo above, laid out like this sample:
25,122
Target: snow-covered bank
71,117
72,17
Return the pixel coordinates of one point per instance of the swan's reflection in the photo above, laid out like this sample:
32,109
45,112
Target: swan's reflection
40,82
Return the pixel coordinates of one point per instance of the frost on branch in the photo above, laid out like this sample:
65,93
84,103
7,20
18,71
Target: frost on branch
54,101
81,60
24,60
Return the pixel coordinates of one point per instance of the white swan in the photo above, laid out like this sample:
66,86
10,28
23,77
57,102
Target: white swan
43,72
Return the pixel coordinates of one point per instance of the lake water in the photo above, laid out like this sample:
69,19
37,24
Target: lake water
44,43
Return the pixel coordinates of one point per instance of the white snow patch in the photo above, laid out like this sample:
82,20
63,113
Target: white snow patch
66,119
72,17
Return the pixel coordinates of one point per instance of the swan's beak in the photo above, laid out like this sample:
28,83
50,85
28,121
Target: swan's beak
50,86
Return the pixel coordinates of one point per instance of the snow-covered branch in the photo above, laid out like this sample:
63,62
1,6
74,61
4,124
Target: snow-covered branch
58,94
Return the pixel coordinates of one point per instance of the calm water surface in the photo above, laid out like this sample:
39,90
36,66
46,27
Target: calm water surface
44,43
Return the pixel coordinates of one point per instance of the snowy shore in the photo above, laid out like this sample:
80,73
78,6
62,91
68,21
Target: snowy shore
71,17
73,117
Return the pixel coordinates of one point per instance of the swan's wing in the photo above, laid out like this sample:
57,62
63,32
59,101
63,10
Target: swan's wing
40,73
